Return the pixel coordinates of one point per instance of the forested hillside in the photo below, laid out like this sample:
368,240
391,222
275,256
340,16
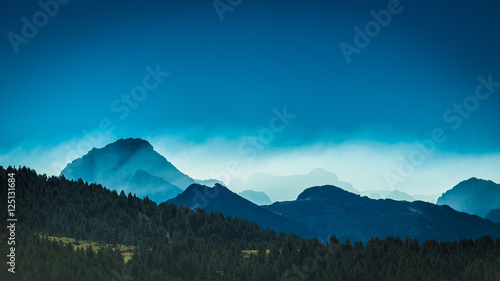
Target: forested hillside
179,244
59,207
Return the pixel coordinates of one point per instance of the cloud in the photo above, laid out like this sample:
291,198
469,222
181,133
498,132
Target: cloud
364,164
51,158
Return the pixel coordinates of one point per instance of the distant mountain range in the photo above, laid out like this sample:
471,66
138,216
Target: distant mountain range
257,197
333,211
473,196
399,195
210,182
494,215
286,188
131,165
323,211
134,166
156,188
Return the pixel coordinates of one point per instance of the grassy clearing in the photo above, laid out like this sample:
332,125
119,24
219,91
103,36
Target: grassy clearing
247,253
127,251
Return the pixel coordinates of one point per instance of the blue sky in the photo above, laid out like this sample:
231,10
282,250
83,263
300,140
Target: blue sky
225,78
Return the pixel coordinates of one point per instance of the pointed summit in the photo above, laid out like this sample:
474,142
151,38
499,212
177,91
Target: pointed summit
118,163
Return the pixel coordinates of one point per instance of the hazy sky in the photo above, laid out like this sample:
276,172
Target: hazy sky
101,67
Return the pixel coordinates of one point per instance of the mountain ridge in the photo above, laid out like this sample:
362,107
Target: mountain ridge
157,189
257,197
220,199
474,196
285,188
332,211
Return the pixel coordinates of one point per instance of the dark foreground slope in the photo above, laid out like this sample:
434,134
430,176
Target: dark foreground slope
59,207
179,244
221,199
332,211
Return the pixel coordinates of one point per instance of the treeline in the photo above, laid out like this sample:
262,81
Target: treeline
389,259
38,258
180,244
59,207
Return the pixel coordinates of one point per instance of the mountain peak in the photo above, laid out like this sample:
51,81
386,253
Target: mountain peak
477,180
400,195
474,196
117,164
132,144
479,185
220,199
325,192
257,197
121,147
196,188
321,171
287,188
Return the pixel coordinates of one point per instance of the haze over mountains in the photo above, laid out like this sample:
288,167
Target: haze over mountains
156,188
285,188
399,195
256,197
386,194
319,211
134,166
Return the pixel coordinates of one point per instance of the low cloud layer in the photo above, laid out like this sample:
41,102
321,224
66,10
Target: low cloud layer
364,164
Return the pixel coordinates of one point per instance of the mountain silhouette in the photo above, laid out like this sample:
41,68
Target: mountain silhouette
494,215
221,199
473,196
286,188
134,166
257,197
156,188
330,210
400,195
131,165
